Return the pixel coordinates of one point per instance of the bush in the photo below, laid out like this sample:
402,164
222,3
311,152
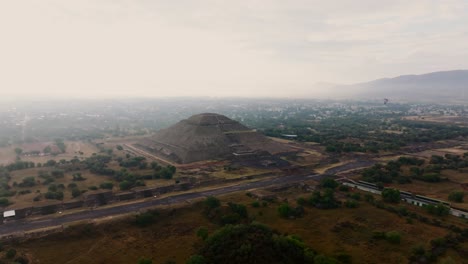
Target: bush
76,192
4,202
344,188
285,210
125,185
439,209
256,204
54,195
145,219
212,202
301,201
21,260
329,183
202,233
106,185
11,253
393,237
28,182
456,196
351,204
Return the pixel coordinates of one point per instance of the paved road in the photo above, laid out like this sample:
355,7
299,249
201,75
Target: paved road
23,225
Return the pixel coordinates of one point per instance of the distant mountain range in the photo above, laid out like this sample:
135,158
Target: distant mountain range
443,86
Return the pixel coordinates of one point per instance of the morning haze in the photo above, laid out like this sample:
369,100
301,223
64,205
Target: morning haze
252,132
96,49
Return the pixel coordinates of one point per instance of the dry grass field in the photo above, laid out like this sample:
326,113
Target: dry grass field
172,236
73,148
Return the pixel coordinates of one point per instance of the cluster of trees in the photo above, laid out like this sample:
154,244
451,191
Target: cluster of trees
324,199
449,161
162,172
286,211
132,162
55,192
4,186
255,243
19,165
370,130
391,172
98,164
127,180
231,214
437,209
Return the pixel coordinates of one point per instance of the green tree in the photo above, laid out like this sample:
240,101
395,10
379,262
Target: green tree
253,243
18,151
391,195
28,182
438,209
76,192
106,185
125,185
4,202
328,183
212,202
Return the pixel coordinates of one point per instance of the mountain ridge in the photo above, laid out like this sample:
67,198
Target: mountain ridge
440,86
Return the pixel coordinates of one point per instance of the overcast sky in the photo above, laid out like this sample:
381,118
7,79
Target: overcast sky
262,48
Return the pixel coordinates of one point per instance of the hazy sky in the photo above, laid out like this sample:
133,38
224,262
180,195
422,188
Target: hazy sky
221,48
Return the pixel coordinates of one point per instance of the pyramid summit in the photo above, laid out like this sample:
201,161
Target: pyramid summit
208,136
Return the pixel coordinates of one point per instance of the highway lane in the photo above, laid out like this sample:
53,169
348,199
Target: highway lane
23,225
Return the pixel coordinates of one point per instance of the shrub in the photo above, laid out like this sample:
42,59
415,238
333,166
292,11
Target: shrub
145,219
329,183
439,209
202,233
106,185
76,192
456,196
212,202
344,188
4,202
351,204
11,253
393,237
285,210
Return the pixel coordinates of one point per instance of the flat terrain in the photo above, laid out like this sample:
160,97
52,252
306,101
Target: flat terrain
173,235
